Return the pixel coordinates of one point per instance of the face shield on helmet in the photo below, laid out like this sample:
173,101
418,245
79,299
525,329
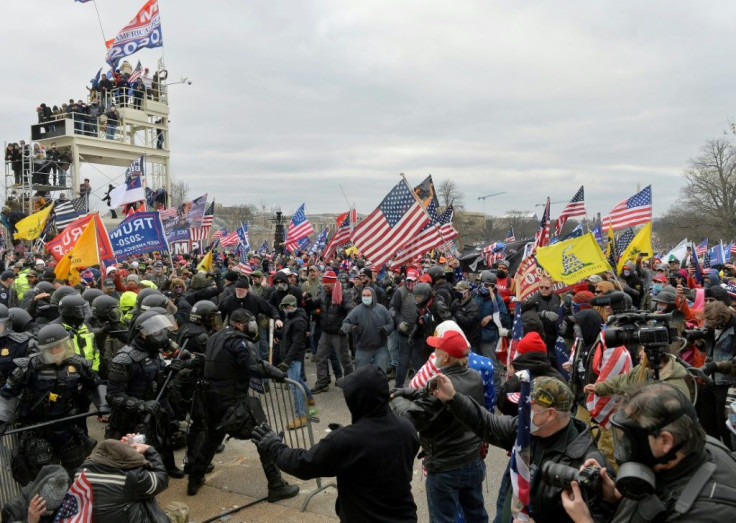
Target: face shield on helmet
56,351
157,324
4,326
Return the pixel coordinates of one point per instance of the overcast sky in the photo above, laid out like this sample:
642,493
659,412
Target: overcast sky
292,99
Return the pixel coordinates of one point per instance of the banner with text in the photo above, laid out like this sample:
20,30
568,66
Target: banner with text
138,233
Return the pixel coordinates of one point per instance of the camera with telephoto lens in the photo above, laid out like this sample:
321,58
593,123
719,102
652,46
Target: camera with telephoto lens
694,334
589,479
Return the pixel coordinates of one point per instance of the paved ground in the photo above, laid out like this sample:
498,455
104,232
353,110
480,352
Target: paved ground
238,478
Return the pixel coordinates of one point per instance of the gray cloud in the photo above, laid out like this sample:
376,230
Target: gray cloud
291,100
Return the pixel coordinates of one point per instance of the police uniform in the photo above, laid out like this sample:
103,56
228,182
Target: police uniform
84,343
134,378
230,360
44,392
13,345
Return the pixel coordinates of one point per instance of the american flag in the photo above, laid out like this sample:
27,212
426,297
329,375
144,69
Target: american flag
397,219
517,331
510,236
319,243
541,239
230,239
438,231
243,264
702,247
135,74
615,361
67,211
345,223
485,367
623,241
77,504
200,233
731,249
219,234
575,208
299,227
698,269
494,252
263,249
519,465
636,210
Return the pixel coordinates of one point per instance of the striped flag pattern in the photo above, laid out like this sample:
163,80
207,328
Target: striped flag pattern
397,218
77,504
345,223
435,233
615,361
702,247
299,227
67,211
510,236
541,239
519,464
135,74
636,210
574,209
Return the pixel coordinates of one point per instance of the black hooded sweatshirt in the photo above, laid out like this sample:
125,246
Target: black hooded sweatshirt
538,365
372,458
590,322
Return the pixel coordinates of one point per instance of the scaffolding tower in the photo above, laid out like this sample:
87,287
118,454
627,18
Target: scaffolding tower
142,128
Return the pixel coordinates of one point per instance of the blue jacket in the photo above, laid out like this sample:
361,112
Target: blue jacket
489,333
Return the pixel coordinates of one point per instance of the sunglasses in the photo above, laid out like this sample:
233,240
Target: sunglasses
544,288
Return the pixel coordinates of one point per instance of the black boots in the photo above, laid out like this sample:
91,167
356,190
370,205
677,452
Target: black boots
171,469
277,488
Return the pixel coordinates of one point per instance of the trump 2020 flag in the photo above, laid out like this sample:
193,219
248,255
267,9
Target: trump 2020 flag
138,233
519,466
142,31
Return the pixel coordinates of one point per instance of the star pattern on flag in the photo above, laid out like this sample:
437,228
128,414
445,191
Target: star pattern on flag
397,203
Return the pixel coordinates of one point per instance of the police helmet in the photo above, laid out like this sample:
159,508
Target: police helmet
20,320
91,294
205,313
127,301
142,294
73,308
4,319
44,286
62,291
246,318
106,308
54,343
151,322
154,300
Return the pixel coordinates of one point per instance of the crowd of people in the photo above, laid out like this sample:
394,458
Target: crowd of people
426,362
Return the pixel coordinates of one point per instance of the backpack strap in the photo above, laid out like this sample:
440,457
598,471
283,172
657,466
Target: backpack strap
693,488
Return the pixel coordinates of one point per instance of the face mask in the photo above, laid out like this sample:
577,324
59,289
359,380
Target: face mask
533,427
591,287
482,291
367,300
179,290
501,274
627,273
158,341
282,286
656,288
459,295
290,311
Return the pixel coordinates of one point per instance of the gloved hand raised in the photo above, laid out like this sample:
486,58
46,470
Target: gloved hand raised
265,438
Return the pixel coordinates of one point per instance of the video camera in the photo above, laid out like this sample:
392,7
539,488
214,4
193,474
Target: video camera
654,332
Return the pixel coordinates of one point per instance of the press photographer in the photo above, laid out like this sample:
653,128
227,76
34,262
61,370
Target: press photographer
668,469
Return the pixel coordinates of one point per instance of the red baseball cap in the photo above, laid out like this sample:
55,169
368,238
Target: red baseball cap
452,342
412,274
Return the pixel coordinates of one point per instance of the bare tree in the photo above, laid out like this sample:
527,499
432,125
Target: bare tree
710,193
179,193
450,195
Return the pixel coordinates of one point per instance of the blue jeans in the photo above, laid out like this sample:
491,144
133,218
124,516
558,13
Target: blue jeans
377,357
449,490
393,348
404,357
294,373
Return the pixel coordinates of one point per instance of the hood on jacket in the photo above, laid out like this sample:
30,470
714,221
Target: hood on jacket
366,392
590,321
537,364
373,294
51,483
713,276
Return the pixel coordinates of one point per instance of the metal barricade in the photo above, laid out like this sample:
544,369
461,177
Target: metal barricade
9,488
278,404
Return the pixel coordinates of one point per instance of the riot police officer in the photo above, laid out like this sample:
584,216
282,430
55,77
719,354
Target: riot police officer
136,374
230,360
21,321
73,311
110,334
13,345
46,386
204,321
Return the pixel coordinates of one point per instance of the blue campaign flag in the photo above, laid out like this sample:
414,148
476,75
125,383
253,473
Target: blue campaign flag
263,249
597,233
577,232
320,243
243,236
696,263
138,233
717,256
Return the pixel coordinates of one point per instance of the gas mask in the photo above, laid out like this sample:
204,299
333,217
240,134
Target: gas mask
633,453
158,340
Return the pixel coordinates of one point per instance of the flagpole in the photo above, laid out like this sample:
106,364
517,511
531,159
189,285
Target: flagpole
99,20
411,190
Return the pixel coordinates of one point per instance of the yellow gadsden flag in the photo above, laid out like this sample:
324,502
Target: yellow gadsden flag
83,254
31,227
641,245
573,260
206,263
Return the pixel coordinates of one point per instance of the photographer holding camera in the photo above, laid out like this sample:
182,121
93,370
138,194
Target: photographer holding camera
668,469
557,438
